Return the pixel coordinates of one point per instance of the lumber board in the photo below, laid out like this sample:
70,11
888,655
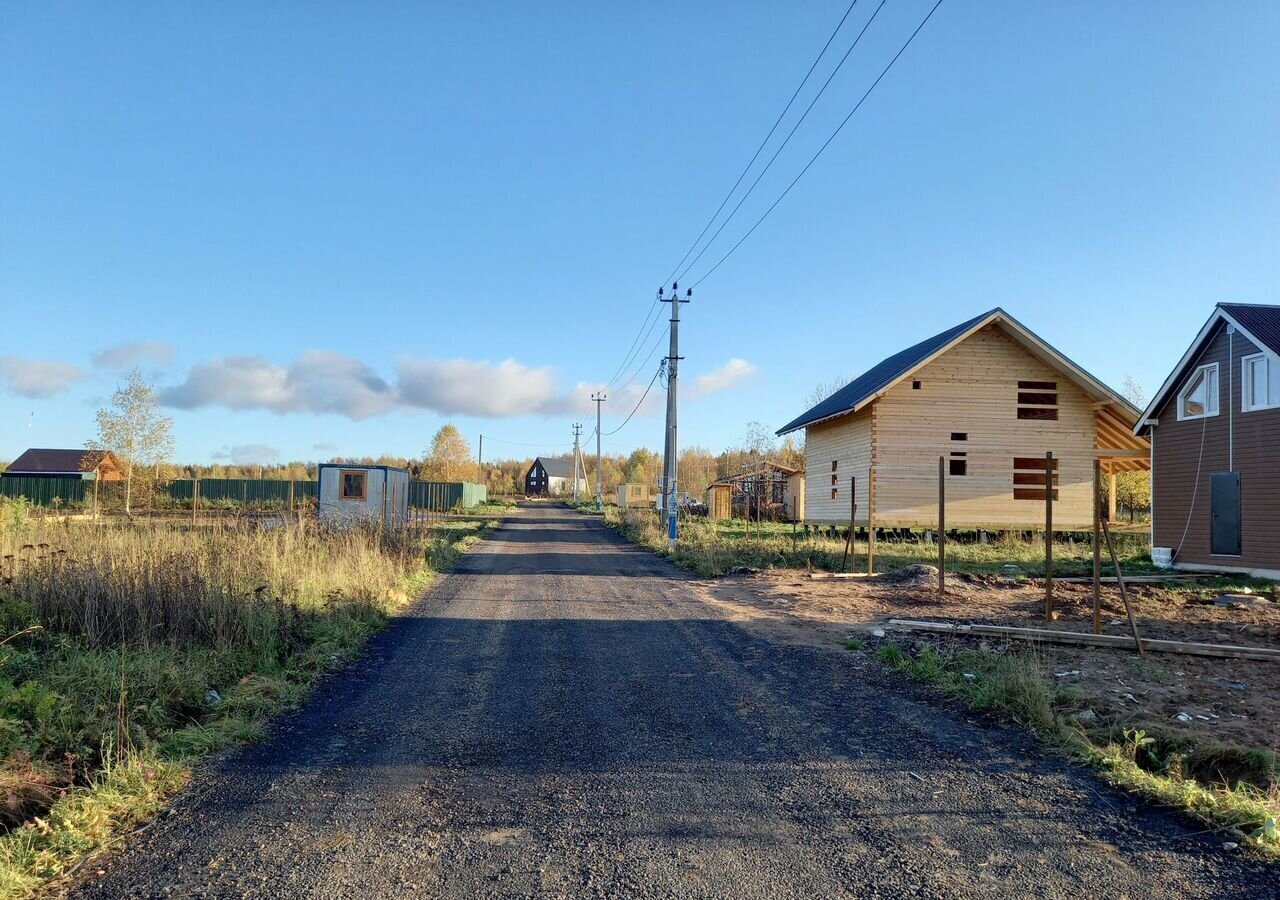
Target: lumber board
1118,642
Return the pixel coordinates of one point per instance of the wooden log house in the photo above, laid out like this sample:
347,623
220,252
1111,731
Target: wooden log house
991,398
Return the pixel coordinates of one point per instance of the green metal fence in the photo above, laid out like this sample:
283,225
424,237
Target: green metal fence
69,491
248,491
446,495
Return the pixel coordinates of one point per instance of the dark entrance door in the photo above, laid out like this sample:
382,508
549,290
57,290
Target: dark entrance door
1224,511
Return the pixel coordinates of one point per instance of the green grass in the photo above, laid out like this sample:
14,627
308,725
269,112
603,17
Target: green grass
713,548
1227,787
130,651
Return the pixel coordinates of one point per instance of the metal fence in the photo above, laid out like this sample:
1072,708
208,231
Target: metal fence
60,491
244,490
446,495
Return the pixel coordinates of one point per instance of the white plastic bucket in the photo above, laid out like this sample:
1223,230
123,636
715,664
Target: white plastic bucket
1162,557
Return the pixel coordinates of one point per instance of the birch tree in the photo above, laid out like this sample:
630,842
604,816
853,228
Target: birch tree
134,429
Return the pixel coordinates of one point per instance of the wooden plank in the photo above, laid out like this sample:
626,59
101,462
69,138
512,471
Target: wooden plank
1048,538
830,576
942,526
871,520
1124,591
1114,641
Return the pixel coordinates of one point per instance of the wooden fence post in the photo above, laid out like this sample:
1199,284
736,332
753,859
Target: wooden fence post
1097,546
850,551
1048,536
942,526
871,520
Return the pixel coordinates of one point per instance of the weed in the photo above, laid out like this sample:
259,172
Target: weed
852,644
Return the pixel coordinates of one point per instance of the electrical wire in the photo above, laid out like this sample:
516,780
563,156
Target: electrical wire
826,144
760,149
637,406
786,140
638,341
653,350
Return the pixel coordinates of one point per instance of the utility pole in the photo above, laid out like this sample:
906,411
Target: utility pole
480,463
577,455
671,462
597,399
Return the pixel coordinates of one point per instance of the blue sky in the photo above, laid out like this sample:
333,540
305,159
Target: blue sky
328,228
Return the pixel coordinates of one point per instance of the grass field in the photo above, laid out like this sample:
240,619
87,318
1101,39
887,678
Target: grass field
714,548
129,651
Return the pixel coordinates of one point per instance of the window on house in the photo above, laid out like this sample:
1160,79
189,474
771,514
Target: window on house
1260,382
915,385
1029,478
355,485
835,479
1199,397
959,466
834,464
1038,400
833,493
959,436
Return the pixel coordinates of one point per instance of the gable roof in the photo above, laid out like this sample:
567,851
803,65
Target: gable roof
57,462
556,468
1259,322
878,379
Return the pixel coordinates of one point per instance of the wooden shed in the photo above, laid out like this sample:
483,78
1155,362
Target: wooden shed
636,496
1214,426
988,397
719,501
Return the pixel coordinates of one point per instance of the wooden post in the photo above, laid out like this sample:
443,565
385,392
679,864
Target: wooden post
195,500
850,552
1124,592
942,525
290,495
1097,546
1111,496
871,520
1048,536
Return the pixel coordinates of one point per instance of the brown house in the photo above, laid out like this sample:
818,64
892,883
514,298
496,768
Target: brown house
1215,446
87,464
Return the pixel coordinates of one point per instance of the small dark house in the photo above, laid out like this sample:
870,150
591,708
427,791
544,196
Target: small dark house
1215,429
86,464
548,475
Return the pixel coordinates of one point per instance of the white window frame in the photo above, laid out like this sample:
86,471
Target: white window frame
1213,405
1246,383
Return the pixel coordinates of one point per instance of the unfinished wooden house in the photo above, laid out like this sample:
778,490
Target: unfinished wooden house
989,398
1214,427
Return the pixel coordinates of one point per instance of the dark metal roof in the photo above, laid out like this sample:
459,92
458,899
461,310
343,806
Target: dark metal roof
1262,322
49,462
882,375
556,468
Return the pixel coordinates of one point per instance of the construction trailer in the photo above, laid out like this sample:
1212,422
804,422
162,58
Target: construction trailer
636,496
359,493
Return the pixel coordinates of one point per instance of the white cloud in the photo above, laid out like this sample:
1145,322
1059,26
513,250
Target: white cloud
731,373
325,447
123,357
463,386
319,381
38,378
249,454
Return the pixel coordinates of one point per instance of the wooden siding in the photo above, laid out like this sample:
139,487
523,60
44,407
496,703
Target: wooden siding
1181,504
973,389
847,442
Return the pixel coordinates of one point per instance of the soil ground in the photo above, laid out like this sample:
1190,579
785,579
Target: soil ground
1229,700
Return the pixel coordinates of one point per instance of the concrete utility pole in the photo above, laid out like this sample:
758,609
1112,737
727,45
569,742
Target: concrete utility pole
597,399
577,455
671,463
480,463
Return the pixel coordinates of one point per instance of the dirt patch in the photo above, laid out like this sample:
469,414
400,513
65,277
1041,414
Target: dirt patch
1226,700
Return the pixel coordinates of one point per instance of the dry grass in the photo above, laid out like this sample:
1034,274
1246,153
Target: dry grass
134,648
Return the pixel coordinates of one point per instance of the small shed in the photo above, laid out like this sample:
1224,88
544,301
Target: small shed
47,463
795,496
636,496
351,493
719,501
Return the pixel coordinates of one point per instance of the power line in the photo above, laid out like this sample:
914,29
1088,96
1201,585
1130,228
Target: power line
638,341
640,368
548,444
637,406
759,149
828,141
786,140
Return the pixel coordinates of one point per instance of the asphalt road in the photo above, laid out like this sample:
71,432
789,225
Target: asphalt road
563,717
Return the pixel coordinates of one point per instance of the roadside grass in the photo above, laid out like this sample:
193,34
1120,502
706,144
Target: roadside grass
713,548
130,651
1235,789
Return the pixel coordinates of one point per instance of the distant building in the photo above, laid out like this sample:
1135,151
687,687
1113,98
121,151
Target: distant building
45,463
549,476
351,493
1214,427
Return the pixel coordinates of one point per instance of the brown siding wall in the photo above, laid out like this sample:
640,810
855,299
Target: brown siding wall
1183,506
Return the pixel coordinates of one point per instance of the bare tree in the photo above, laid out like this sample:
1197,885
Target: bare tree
134,429
825,389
